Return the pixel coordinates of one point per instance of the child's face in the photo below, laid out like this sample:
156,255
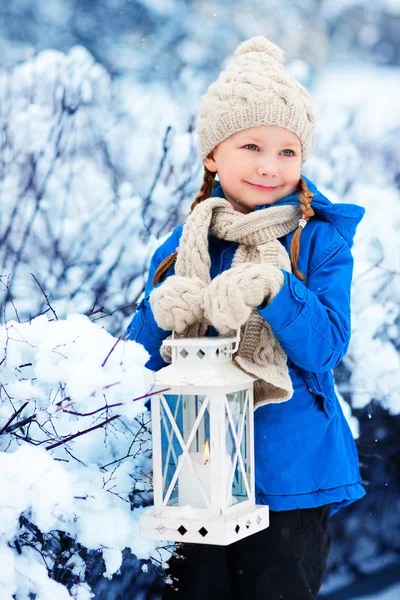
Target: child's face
257,166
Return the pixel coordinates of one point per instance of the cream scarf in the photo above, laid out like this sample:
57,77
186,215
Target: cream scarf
257,233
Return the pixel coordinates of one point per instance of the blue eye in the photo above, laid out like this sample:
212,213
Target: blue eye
253,145
284,152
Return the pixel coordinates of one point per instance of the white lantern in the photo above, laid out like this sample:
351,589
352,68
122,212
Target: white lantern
203,447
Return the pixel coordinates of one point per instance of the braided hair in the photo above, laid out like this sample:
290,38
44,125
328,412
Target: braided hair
305,198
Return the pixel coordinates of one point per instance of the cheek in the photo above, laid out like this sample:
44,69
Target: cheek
234,167
294,170
293,175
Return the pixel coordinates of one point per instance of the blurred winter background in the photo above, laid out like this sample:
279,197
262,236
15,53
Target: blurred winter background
98,162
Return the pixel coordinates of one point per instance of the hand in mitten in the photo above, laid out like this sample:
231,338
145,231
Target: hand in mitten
178,302
231,296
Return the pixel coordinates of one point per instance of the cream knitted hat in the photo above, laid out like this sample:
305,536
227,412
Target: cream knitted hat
255,89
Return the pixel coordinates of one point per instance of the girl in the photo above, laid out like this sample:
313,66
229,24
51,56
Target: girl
263,250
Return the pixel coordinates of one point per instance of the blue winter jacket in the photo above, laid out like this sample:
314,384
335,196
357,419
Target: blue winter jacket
305,455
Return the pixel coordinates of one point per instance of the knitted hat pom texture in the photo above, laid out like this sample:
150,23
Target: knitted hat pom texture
260,44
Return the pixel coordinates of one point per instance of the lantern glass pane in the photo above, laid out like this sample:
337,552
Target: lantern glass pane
237,438
185,424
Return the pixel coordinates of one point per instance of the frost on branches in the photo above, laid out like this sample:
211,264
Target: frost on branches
88,184
74,451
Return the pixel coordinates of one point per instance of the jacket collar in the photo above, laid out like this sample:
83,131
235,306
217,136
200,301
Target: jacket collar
344,217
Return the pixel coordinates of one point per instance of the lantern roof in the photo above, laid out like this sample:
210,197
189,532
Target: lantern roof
211,376
206,362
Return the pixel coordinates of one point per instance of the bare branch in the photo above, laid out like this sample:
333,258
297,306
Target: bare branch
46,297
111,351
80,433
11,419
107,406
7,287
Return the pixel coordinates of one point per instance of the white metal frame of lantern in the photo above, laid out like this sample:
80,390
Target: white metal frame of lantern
203,368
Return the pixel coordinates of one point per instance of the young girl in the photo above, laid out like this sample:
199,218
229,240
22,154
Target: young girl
263,250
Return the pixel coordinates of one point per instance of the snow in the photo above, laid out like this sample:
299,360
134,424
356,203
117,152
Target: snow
56,371
352,163
392,593
352,421
77,352
374,102
393,6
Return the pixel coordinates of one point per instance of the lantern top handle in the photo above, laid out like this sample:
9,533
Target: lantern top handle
235,341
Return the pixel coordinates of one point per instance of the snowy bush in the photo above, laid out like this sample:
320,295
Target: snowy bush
74,450
356,160
75,213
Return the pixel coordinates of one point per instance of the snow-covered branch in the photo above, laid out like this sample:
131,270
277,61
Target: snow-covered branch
74,452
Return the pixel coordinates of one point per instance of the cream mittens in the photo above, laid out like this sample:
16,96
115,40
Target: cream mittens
226,302
178,302
232,295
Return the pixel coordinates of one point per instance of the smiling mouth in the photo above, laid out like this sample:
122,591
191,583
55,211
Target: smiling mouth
262,187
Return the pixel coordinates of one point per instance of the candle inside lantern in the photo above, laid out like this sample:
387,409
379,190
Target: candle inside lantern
189,488
206,453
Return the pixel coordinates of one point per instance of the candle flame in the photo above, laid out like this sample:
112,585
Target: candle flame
206,452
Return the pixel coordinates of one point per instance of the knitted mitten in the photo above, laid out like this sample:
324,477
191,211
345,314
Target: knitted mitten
232,295
178,302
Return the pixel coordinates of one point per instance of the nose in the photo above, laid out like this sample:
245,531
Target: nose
267,167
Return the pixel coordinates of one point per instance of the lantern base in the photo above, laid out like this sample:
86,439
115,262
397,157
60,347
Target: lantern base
220,531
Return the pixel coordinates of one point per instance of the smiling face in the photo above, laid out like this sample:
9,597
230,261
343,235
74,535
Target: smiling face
257,166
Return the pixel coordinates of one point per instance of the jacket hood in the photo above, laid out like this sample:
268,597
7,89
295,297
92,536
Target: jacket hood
344,217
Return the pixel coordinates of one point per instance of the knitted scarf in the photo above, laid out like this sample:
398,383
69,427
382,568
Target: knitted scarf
257,234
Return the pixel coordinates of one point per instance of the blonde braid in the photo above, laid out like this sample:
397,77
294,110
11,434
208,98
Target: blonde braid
206,188
305,198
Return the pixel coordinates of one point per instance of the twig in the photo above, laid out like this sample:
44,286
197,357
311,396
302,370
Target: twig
147,199
46,296
92,311
6,285
75,435
109,314
107,406
20,424
128,455
111,351
14,416
9,429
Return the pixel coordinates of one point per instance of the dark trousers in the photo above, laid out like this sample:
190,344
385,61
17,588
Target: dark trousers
286,561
